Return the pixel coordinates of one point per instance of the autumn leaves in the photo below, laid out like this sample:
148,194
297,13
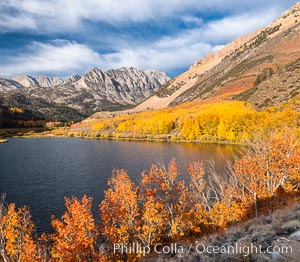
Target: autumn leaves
76,234
161,207
16,233
226,121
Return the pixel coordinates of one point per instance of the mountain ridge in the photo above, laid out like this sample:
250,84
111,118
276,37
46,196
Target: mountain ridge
43,81
96,90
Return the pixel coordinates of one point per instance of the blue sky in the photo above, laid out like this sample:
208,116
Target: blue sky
61,37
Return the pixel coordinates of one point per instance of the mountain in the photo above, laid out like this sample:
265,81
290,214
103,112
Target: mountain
44,81
262,68
76,97
7,85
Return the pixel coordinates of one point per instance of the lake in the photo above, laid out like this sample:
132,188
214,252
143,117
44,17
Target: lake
40,172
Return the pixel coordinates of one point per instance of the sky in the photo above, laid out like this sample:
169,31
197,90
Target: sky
62,37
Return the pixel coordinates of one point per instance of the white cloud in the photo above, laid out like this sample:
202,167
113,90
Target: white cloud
11,23
231,27
61,15
182,50
169,53
156,58
189,20
58,57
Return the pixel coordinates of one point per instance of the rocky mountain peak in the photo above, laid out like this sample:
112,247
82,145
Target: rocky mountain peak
43,81
96,90
74,77
25,80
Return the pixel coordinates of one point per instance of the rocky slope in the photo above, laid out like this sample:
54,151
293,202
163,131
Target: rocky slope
274,88
274,237
75,97
236,68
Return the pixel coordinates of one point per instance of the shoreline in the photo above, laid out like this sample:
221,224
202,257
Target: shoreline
164,140
2,141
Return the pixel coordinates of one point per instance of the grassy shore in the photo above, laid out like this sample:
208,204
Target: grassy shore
66,132
11,132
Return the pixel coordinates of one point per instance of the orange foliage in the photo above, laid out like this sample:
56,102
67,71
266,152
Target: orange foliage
162,188
270,163
76,234
119,209
16,228
197,196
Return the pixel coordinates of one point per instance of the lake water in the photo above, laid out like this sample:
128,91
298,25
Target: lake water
40,172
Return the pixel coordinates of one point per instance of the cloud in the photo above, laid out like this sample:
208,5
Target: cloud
11,23
232,27
168,53
58,57
192,21
171,53
156,58
62,15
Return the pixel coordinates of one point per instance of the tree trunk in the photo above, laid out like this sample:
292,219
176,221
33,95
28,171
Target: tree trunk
255,205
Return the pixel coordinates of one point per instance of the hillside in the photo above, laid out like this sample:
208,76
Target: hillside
277,235
239,67
18,118
75,97
270,89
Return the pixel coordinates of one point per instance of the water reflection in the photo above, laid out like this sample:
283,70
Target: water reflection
40,172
